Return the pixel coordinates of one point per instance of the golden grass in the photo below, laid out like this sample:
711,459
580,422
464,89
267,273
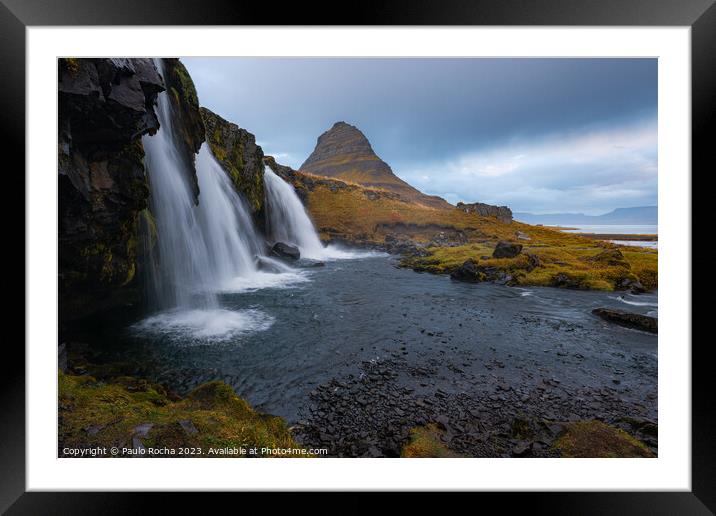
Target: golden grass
594,439
113,410
348,214
425,442
570,258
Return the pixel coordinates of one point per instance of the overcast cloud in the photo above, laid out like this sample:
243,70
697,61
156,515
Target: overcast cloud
539,135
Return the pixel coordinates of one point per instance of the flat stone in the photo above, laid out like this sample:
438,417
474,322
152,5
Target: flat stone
188,426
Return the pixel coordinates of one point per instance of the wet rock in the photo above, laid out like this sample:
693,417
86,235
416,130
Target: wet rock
188,426
105,106
628,319
506,250
236,150
630,284
268,265
468,272
521,448
285,251
62,357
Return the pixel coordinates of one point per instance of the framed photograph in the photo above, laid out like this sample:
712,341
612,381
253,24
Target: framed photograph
432,248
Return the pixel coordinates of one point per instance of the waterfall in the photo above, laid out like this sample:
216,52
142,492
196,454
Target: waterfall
199,247
211,247
181,258
287,220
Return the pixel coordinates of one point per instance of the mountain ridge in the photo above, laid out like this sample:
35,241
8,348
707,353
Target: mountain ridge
632,215
344,152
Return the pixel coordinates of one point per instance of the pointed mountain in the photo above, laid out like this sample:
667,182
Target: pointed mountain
343,152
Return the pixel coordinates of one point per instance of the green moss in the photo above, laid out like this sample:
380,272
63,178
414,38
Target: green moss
94,413
149,225
187,85
569,263
587,439
426,442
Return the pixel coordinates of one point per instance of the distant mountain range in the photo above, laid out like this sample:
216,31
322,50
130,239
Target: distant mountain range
640,215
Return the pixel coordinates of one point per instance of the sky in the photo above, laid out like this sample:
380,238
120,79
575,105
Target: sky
537,135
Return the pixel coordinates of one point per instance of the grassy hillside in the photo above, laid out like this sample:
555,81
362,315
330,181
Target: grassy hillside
367,216
440,240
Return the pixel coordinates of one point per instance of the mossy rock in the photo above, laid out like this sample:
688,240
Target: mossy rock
595,439
95,413
426,442
238,154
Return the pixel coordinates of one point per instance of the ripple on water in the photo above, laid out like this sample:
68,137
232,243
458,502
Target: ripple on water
192,327
264,280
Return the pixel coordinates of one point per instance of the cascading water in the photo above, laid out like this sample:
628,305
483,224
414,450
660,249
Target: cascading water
201,249
287,221
212,247
286,218
181,257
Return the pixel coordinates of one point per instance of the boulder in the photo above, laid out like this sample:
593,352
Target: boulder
563,280
533,262
506,250
634,286
610,257
628,319
285,251
267,264
468,272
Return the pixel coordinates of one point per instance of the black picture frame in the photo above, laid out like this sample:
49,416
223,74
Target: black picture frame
700,15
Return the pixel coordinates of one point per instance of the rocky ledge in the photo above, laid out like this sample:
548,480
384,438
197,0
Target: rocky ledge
628,319
501,213
105,106
237,152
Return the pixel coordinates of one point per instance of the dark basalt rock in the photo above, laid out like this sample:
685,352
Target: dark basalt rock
188,125
563,280
105,106
610,257
506,250
501,213
468,272
533,262
628,319
237,152
285,251
633,285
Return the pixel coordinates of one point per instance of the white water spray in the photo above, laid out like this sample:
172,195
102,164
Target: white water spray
286,218
181,273
287,221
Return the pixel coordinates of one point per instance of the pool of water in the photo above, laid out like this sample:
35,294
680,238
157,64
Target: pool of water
274,342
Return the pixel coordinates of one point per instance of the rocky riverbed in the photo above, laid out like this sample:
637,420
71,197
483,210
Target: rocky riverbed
356,353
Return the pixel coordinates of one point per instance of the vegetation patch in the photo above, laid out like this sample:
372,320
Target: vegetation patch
594,439
128,411
426,442
568,263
